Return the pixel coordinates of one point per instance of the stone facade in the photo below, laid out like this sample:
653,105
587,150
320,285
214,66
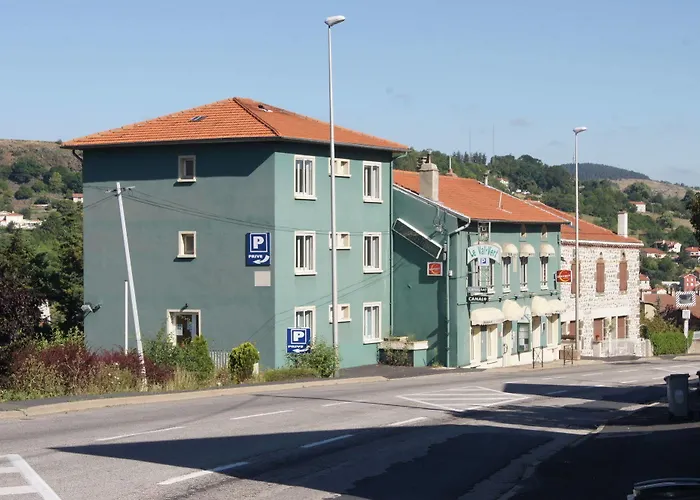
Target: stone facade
610,305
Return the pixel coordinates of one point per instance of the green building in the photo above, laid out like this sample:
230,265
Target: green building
474,271
207,185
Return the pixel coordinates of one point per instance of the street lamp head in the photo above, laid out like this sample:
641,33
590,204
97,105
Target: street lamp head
578,130
333,20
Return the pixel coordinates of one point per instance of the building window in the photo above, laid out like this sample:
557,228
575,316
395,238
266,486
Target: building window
544,273
372,182
598,330
187,245
523,232
624,274
543,233
183,326
482,276
523,337
600,275
574,276
344,315
372,253
305,317
622,327
523,273
342,167
505,269
304,253
186,169
304,178
342,240
372,322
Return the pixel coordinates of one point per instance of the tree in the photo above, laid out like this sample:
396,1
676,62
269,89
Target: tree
694,208
638,191
19,309
25,169
666,220
23,193
56,183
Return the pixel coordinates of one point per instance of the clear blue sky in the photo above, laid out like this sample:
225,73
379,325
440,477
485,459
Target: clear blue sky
421,73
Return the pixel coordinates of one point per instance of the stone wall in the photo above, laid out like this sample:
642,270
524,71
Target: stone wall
611,304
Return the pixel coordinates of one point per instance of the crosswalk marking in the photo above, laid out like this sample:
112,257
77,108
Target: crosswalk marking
36,484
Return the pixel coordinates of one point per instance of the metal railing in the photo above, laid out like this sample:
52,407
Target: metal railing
612,347
538,356
220,359
568,353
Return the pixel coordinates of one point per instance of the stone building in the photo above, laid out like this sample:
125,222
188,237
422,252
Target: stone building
609,289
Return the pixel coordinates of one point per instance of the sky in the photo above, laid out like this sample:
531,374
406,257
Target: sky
504,76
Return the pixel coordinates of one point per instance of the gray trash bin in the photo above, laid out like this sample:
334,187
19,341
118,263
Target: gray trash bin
677,394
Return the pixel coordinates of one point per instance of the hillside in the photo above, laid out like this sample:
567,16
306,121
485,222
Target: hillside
661,187
36,172
593,171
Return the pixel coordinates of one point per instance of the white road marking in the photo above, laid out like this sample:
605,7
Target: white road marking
593,374
326,441
468,398
339,403
628,381
121,436
201,473
8,470
16,490
517,381
560,376
262,414
628,371
555,392
410,421
546,378
601,385
36,484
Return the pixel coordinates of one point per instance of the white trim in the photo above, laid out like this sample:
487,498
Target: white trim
181,247
524,287
365,306
366,269
506,271
339,236
340,160
603,243
310,270
312,180
170,327
340,318
544,272
304,309
371,199
181,170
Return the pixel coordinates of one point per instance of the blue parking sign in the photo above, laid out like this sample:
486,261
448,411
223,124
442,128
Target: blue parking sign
298,339
258,251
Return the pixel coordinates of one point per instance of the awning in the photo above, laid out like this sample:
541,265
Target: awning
540,306
487,316
526,250
509,250
512,311
556,306
547,250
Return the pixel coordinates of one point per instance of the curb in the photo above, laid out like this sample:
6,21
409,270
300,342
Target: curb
91,404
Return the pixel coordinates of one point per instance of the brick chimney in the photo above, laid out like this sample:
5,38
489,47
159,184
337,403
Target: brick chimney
429,177
622,223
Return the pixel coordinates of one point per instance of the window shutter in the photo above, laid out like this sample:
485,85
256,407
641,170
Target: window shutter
624,277
600,276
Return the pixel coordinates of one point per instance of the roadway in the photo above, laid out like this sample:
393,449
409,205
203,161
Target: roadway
467,435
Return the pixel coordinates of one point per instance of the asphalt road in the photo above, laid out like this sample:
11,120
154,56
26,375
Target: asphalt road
468,435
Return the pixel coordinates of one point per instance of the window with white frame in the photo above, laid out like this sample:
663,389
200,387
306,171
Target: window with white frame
372,253
372,322
506,269
523,273
372,182
304,252
342,240
305,317
186,168
183,326
342,167
344,315
482,276
304,178
187,245
544,272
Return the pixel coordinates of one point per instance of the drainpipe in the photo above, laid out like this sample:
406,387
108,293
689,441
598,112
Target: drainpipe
80,158
447,286
391,240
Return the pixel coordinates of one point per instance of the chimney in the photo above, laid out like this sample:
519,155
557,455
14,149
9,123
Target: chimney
429,177
622,223
486,177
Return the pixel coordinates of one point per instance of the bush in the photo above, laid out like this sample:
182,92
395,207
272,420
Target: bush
161,350
321,358
242,361
194,357
289,373
669,343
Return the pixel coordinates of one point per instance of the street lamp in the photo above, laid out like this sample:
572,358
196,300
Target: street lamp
577,131
332,21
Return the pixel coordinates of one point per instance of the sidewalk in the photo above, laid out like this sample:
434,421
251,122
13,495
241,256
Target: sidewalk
641,446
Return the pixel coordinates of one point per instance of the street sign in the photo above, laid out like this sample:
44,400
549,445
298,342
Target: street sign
434,269
564,276
477,289
298,339
686,313
484,261
477,298
258,251
685,299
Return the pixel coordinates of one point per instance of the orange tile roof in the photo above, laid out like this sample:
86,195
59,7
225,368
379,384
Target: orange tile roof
476,200
587,231
230,119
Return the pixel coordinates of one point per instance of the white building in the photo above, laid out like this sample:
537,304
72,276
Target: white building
609,288
640,206
7,218
77,197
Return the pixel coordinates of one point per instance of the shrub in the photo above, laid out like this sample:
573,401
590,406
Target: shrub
289,373
321,358
668,343
194,357
161,350
242,361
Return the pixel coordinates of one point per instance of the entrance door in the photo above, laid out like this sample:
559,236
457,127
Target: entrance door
506,341
183,326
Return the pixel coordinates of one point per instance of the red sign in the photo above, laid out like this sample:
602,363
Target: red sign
564,276
434,268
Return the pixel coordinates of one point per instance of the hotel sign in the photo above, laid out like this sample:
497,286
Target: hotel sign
484,253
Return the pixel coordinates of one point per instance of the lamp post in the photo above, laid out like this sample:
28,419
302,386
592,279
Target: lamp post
577,131
332,21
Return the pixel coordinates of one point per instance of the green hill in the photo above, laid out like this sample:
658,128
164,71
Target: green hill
593,171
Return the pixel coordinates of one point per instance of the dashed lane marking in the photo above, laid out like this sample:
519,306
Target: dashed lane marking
326,441
201,473
410,421
262,414
121,436
338,404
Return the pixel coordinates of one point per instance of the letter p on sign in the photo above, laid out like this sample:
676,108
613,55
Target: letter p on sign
298,336
257,242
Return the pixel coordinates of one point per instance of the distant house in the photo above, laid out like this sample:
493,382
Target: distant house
640,206
668,245
652,253
644,283
693,252
17,220
689,283
77,197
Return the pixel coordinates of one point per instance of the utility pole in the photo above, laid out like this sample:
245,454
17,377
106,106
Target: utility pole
126,316
137,326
